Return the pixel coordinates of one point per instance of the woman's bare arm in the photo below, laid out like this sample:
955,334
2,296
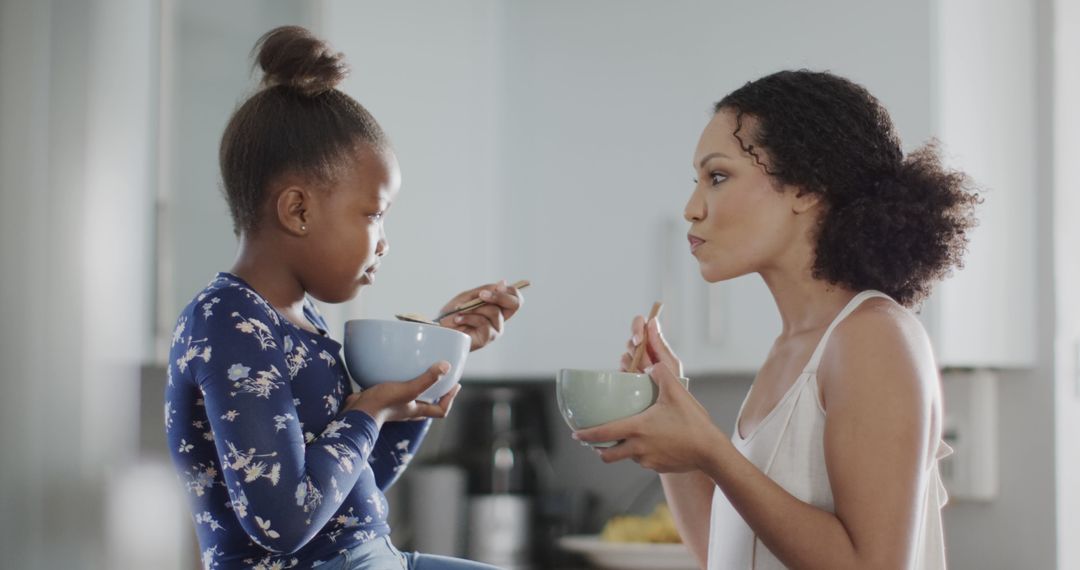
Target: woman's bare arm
880,387
879,384
689,496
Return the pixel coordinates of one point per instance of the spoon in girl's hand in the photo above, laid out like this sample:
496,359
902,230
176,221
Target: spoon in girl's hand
418,318
415,318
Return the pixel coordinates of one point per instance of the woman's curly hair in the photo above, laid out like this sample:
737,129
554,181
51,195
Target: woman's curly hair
892,223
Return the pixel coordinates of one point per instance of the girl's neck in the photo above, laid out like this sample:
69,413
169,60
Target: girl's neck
262,267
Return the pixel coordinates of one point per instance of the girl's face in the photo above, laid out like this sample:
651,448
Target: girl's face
741,219
347,235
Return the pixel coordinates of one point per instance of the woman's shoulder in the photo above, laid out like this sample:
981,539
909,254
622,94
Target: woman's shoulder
881,320
880,343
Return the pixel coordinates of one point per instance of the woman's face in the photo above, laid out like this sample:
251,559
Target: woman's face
741,219
347,235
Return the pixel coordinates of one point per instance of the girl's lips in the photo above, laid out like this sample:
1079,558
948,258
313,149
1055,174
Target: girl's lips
694,241
368,277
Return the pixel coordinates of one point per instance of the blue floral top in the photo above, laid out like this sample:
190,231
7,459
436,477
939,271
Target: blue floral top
275,477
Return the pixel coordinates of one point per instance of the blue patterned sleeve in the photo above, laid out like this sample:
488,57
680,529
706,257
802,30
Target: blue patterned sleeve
282,490
397,443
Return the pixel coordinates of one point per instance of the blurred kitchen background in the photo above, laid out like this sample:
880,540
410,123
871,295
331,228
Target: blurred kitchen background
546,140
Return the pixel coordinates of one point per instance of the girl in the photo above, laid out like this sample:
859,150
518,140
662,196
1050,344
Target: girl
833,460
283,466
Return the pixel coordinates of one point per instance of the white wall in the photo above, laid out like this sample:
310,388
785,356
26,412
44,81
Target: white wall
76,90
1066,206
605,101
430,73
427,73
551,141
545,102
208,74
601,105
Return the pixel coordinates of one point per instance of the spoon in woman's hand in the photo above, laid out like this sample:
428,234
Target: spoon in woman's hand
635,363
418,318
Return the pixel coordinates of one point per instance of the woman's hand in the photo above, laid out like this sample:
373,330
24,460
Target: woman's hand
396,401
656,347
485,323
670,436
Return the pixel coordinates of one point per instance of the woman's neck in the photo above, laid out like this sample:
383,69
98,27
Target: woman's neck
805,303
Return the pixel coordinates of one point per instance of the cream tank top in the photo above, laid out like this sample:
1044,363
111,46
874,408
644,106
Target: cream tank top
789,446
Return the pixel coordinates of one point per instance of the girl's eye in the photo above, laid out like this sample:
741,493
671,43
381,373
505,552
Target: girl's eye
376,217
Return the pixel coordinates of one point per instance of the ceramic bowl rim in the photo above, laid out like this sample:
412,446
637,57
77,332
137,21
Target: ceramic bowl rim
403,325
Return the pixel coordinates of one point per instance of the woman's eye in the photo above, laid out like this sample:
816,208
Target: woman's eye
715,178
377,216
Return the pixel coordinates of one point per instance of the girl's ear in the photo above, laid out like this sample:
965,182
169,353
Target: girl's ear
803,201
292,210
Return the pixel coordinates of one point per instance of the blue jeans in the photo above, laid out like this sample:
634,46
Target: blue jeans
381,554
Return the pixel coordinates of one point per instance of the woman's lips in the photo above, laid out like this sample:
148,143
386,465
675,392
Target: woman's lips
694,242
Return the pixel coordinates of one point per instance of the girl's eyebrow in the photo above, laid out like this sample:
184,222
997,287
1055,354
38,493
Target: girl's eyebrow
707,157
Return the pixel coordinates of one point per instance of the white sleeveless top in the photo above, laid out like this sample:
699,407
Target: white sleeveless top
789,446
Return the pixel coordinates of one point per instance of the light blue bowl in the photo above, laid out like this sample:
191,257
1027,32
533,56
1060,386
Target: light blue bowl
378,351
588,398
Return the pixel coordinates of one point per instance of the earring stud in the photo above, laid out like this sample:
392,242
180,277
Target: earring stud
303,228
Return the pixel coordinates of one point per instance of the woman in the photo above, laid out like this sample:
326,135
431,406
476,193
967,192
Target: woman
833,461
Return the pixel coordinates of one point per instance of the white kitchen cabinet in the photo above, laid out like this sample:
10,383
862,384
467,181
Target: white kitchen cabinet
986,91
980,83
553,142
600,118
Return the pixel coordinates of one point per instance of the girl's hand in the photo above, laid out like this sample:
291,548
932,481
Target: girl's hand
656,347
485,323
673,436
396,401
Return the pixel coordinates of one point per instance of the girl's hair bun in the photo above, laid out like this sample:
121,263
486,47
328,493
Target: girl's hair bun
290,56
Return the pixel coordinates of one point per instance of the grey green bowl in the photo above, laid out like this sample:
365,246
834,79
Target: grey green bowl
588,398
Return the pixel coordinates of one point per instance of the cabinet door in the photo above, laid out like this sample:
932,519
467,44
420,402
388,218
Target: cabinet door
985,314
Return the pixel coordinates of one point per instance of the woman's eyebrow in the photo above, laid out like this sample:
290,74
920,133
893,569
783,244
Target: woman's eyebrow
711,155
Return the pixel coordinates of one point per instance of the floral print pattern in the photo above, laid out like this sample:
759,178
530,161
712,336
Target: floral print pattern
266,460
